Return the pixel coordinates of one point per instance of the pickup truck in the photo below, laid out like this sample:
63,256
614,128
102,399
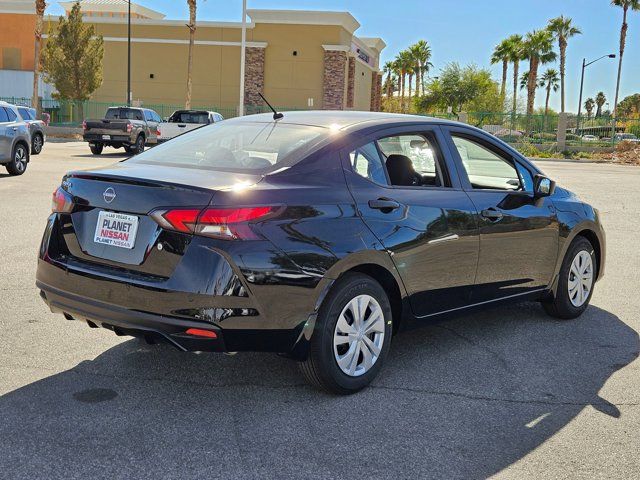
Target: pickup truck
128,127
182,121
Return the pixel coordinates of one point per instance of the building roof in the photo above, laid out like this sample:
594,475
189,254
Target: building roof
305,17
375,43
113,6
18,6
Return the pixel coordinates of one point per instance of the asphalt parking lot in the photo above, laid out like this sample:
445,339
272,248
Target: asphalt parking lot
507,392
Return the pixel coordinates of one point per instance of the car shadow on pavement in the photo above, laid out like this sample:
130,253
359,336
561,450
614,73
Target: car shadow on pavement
117,155
461,399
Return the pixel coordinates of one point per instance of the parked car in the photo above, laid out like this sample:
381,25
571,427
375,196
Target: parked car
36,128
183,121
317,236
590,138
15,140
626,137
128,127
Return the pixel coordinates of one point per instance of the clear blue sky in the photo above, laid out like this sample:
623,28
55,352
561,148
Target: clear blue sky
465,31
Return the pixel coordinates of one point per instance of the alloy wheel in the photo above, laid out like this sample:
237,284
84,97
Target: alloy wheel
20,159
580,278
359,335
37,144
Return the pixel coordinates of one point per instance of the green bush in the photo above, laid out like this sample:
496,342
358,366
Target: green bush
635,129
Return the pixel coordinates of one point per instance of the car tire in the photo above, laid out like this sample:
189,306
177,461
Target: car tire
37,142
19,160
575,283
97,148
342,356
137,147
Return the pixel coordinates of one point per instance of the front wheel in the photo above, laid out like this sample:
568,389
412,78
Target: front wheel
352,336
19,160
575,283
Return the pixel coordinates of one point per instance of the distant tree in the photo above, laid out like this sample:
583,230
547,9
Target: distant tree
630,106
562,30
421,54
625,5
461,88
548,81
502,54
405,66
588,106
601,99
72,58
389,70
538,49
524,80
516,56
192,35
41,6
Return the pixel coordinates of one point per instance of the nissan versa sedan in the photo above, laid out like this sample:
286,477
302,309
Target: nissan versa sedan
317,235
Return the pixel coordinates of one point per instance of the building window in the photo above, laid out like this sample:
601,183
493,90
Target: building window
11,58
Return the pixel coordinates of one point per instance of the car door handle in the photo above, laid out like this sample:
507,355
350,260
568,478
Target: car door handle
492,214
15,128
384,204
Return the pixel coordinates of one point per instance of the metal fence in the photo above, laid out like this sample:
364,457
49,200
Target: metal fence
70,113
515,128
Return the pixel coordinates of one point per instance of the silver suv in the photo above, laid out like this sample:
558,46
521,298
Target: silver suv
36,128
15,140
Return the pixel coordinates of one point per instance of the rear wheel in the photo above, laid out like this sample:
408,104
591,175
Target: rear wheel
19,160
352,336
37,142
575,283
96,149
137,147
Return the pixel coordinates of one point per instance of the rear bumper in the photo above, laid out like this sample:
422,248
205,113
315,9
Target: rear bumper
114,138
154,328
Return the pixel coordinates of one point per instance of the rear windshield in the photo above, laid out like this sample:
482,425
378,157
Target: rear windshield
124,114
189,117
238,147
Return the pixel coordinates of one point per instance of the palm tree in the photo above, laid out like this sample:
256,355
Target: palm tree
388,69
538,49
41,6
562,30
588,106
502,53
625,5
516,55
192,35
601,99
421,53
549,81
404,65
524,80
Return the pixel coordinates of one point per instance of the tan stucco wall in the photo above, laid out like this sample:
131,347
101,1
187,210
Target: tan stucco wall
16,32
289,80
362,87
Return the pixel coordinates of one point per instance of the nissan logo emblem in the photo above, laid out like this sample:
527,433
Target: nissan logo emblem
109,195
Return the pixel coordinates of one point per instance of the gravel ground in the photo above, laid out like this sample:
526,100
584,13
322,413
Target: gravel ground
507,392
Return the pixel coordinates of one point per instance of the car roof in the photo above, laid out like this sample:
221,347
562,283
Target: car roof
340,119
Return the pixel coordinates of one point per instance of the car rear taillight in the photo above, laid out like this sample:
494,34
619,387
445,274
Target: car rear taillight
84,125
222,223
158,132
129,127
61,202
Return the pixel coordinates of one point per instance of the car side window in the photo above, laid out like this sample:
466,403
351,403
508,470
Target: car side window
367,162
155,117
486,169
24,113
138,115
4,118
412,160
11,115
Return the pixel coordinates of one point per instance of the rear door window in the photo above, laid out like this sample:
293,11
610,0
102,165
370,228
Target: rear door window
11,115
25,114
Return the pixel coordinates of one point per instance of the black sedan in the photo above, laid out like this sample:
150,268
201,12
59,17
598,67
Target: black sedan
317,236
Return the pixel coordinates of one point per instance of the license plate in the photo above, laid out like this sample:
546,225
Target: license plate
106,137
116,229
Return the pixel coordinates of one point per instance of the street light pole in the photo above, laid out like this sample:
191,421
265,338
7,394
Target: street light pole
243,54
129,56
585,65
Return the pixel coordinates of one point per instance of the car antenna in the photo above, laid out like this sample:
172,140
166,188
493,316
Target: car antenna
276,115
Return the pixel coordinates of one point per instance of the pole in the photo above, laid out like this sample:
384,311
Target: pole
243,53
129,56
584,60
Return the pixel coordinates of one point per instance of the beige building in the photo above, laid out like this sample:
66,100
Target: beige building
297,59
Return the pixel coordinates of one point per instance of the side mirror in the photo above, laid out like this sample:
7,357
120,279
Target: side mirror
543,186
